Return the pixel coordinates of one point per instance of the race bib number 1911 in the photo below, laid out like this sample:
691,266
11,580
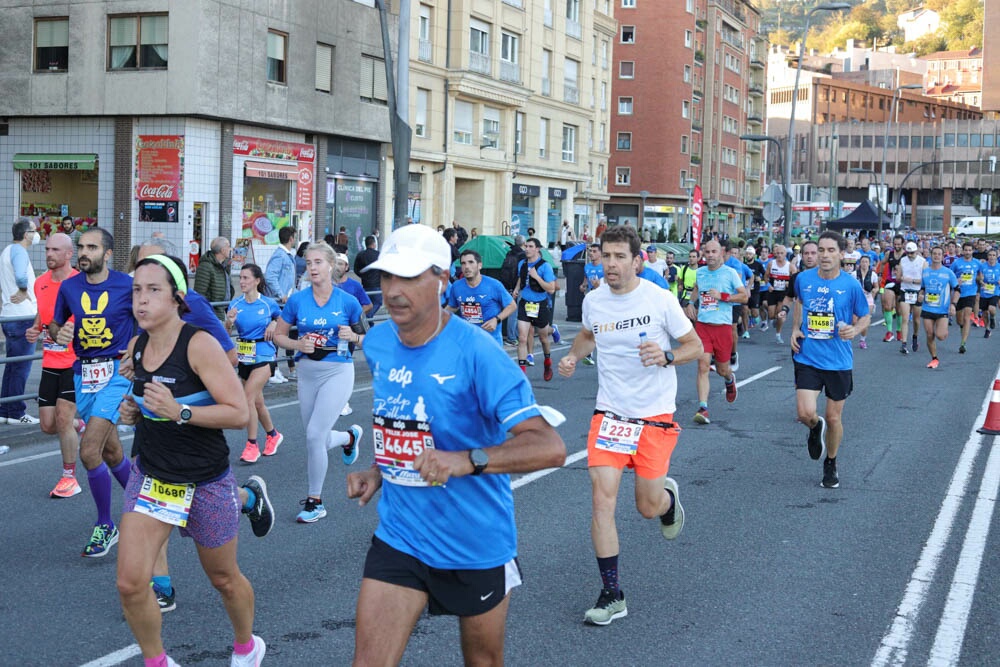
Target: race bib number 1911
95,375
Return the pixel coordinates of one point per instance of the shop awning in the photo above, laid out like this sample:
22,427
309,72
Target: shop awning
56,161
287,172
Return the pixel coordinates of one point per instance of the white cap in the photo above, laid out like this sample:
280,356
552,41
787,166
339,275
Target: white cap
410,250
341,257
750,250
911,247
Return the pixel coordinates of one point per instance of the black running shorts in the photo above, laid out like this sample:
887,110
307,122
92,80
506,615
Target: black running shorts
56,383
837,385
966,302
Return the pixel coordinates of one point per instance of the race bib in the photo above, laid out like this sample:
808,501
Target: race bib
780,285
708,303
398,442
531,309
618,436
473,312
933,300
910,297
49,344
967,278
989,289
246,351
169,503
819,325
95,375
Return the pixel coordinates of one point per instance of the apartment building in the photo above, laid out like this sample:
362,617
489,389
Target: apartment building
688,81
509,105
955,76
198,119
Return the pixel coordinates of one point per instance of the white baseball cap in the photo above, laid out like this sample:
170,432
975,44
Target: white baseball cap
410,250
911,247
750,250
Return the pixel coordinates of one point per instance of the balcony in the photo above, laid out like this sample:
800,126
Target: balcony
479,62
571,93
755,62
753,174
696,126
510,72
424,50
573,29
754,117
547,87
695,159
548,18
699,57
697,92
701,24
753,147
756,90
733,39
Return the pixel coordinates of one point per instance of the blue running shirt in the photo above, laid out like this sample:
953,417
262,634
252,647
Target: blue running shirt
544,272
202,315
103,315
991,280
966,270
252,320
463,391
480,303
341,308
826,304
654,277
593,272
937,285
726,281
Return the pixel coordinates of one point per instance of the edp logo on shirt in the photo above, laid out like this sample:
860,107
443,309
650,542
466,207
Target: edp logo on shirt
401,375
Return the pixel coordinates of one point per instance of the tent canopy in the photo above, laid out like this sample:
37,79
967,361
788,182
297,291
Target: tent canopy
863,217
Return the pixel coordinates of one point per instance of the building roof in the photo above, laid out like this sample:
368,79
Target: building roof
951,89
974,52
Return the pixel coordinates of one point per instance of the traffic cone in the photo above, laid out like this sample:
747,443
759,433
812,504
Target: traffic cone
992,424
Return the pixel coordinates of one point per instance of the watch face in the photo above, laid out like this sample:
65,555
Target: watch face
186,414
479,458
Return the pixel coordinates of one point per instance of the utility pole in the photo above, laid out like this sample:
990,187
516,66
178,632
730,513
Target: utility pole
399,130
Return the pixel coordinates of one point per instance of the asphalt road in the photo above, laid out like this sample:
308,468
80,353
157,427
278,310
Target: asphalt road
897,566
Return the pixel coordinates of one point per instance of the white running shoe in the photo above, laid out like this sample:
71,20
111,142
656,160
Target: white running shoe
348,410
252,659
278,378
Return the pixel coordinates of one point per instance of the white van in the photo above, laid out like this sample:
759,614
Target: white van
976,225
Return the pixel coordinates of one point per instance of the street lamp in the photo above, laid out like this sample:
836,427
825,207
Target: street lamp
827,7
885,147
786,197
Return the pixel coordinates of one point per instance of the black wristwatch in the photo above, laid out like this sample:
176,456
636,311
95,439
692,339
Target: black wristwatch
669,357
479,459
185,415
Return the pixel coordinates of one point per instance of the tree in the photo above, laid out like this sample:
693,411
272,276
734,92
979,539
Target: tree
963,24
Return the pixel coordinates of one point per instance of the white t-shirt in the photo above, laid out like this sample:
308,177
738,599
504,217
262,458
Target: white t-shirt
912,271
625,386
851,260
659,266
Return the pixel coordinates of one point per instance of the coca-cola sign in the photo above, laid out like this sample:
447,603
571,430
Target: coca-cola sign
273,149
159,167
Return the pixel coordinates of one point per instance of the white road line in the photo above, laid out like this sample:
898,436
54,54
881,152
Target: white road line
538,474
895,643
947,649
116,658
758,376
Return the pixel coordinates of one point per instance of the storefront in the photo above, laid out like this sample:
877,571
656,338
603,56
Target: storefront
557,201
350,203
523,207
658,220
54,186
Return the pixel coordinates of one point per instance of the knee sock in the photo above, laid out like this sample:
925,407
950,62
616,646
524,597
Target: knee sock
100,488
162,584
890,320
609,572
122,471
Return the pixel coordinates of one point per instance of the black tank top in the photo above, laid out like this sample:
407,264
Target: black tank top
866,280
168,451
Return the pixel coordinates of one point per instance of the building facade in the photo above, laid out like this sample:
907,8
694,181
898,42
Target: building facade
955,76
211,119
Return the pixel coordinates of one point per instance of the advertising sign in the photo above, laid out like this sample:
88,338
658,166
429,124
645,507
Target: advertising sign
159,167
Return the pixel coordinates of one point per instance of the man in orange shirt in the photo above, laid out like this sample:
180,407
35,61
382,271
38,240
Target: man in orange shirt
56,396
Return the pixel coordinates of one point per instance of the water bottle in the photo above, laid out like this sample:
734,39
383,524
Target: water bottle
342,348
4,449
642,337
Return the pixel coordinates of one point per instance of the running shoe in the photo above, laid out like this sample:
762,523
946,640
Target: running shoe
934,363
672,522
351,450
311,512
916,344
251,453
746,335
830,479
734,361
610,605
253,658
547,373
348,410
556,336
903,349
271,443
101,540
888,337
731,389
278,378
261,514
863,344
292,374
779,340
816,443
23,419
701,417
530,359
975,321
899,336
66,487
588,360
164,601
80,426
961,348
987,333
764,325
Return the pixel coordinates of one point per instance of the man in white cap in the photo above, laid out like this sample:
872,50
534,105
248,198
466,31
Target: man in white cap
446,536
911,271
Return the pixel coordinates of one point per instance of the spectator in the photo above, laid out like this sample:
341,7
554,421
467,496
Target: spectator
211,280
17,282
451,236
566,237
300,261
371,280
509,278
280,279
343,241
463,235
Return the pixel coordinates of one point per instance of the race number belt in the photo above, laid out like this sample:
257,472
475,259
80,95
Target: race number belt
820,325
49,344
618,436
169,503
246,350
398,442
708,303
473,312
95,374
531,308
910,296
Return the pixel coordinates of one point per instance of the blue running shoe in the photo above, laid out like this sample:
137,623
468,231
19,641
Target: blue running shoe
531,359
101,540
556,336
311,512
350,453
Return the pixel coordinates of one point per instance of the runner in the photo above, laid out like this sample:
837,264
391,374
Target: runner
869,284
779,272
830,309
687,275
735,262
967,270
940,298
910,272
631,324
255,318
851,257
809,260
753,305
479,299
718,287
989,289
446,536
537,281
181,453
326,369
888,270
56,395
99,302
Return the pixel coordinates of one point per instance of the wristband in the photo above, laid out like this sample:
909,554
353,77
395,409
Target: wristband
723,297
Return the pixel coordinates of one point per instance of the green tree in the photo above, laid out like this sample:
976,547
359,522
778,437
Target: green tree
931,43
963,24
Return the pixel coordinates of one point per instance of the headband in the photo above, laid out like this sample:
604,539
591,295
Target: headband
180,282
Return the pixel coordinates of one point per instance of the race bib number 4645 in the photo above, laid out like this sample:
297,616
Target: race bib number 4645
398,442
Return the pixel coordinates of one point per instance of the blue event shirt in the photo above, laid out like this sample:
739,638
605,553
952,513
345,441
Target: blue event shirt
478,304
744,271
202,315
544,272
102,312
252,320
341,308
991,280
593,272
469,393
937,285
966,270
654,277
726,281
354,288
825,305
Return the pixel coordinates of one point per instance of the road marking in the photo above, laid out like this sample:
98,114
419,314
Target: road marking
538,474
116,658
895,643
758,376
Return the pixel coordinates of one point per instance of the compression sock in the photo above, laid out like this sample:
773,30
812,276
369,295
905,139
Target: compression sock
162,584
609,572
121,471
243,649
158,661
69,469
100,488
890,320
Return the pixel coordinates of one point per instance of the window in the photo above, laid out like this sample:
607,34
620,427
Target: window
479,47
600,136
546,72
626,4
623,175
371,83
51,45
519,133
137,42
687,39
626,69
277,50
628,34
601,181
624,141
324,67
604,95
689,6
685,108
420,122
491,128
573,10
604,54
508,47
424,50
684,144
687,74
569,143
571,90
463,123
543,137
624,106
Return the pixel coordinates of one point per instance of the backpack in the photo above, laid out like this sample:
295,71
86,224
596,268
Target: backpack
523,279
508,270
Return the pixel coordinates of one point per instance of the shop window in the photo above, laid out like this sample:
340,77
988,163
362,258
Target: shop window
51,45
137,42
372,81
277,56
324,67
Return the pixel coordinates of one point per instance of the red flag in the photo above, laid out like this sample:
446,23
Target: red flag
697,208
